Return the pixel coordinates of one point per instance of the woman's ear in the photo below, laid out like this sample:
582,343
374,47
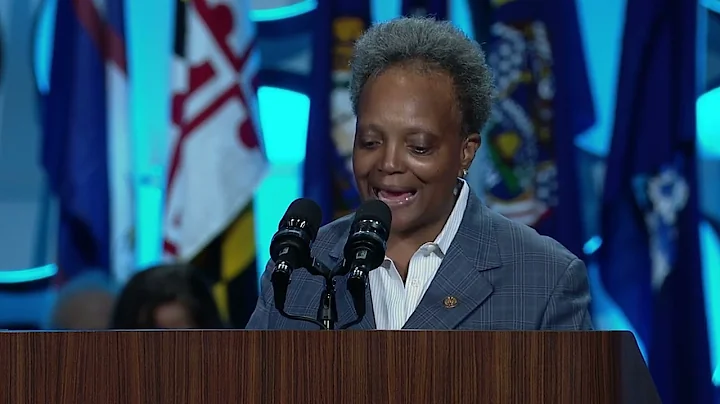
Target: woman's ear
470,146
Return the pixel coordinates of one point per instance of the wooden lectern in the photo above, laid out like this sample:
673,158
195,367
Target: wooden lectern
437,367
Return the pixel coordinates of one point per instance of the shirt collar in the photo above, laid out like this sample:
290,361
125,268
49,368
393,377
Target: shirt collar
452,225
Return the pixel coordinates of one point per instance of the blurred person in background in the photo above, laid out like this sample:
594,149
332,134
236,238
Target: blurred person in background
84,303
166,297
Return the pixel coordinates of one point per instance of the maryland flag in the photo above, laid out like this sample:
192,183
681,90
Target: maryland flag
216,161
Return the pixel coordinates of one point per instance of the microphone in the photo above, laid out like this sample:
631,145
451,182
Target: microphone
290,246
365,249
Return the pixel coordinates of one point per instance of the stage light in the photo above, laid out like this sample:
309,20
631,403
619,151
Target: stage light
708,124
281,13
284,116
27,275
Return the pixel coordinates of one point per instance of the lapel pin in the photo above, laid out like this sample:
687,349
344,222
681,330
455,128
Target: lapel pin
450,302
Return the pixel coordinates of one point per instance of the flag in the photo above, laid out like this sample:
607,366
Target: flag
543,102
331,131
650,256
216,160
421,8
75,155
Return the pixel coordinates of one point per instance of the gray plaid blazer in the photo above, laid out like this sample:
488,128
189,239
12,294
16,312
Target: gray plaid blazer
503,276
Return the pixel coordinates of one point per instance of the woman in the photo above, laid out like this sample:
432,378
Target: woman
422,92
168,297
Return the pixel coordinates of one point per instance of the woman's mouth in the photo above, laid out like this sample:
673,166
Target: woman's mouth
395,196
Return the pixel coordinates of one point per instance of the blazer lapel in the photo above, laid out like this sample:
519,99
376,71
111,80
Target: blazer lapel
459,286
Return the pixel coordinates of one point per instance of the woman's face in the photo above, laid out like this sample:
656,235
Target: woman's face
173,315
408,149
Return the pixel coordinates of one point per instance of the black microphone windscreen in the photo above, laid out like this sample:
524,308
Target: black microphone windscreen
307,210
375,210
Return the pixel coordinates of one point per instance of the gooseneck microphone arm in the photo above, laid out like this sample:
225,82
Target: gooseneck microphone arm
356,286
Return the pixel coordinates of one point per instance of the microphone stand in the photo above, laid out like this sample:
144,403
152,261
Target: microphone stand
327,312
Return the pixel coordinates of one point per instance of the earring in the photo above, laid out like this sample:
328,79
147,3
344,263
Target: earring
464,173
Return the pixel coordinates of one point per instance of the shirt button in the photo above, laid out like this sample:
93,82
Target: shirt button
415,283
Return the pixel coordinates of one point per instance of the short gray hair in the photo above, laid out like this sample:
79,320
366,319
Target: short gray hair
436,45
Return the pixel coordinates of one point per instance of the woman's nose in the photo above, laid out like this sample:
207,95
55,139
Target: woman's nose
392,160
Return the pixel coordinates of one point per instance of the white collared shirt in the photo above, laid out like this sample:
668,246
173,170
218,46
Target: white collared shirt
394,301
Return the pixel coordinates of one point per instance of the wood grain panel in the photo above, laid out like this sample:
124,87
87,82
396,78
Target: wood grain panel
322,367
